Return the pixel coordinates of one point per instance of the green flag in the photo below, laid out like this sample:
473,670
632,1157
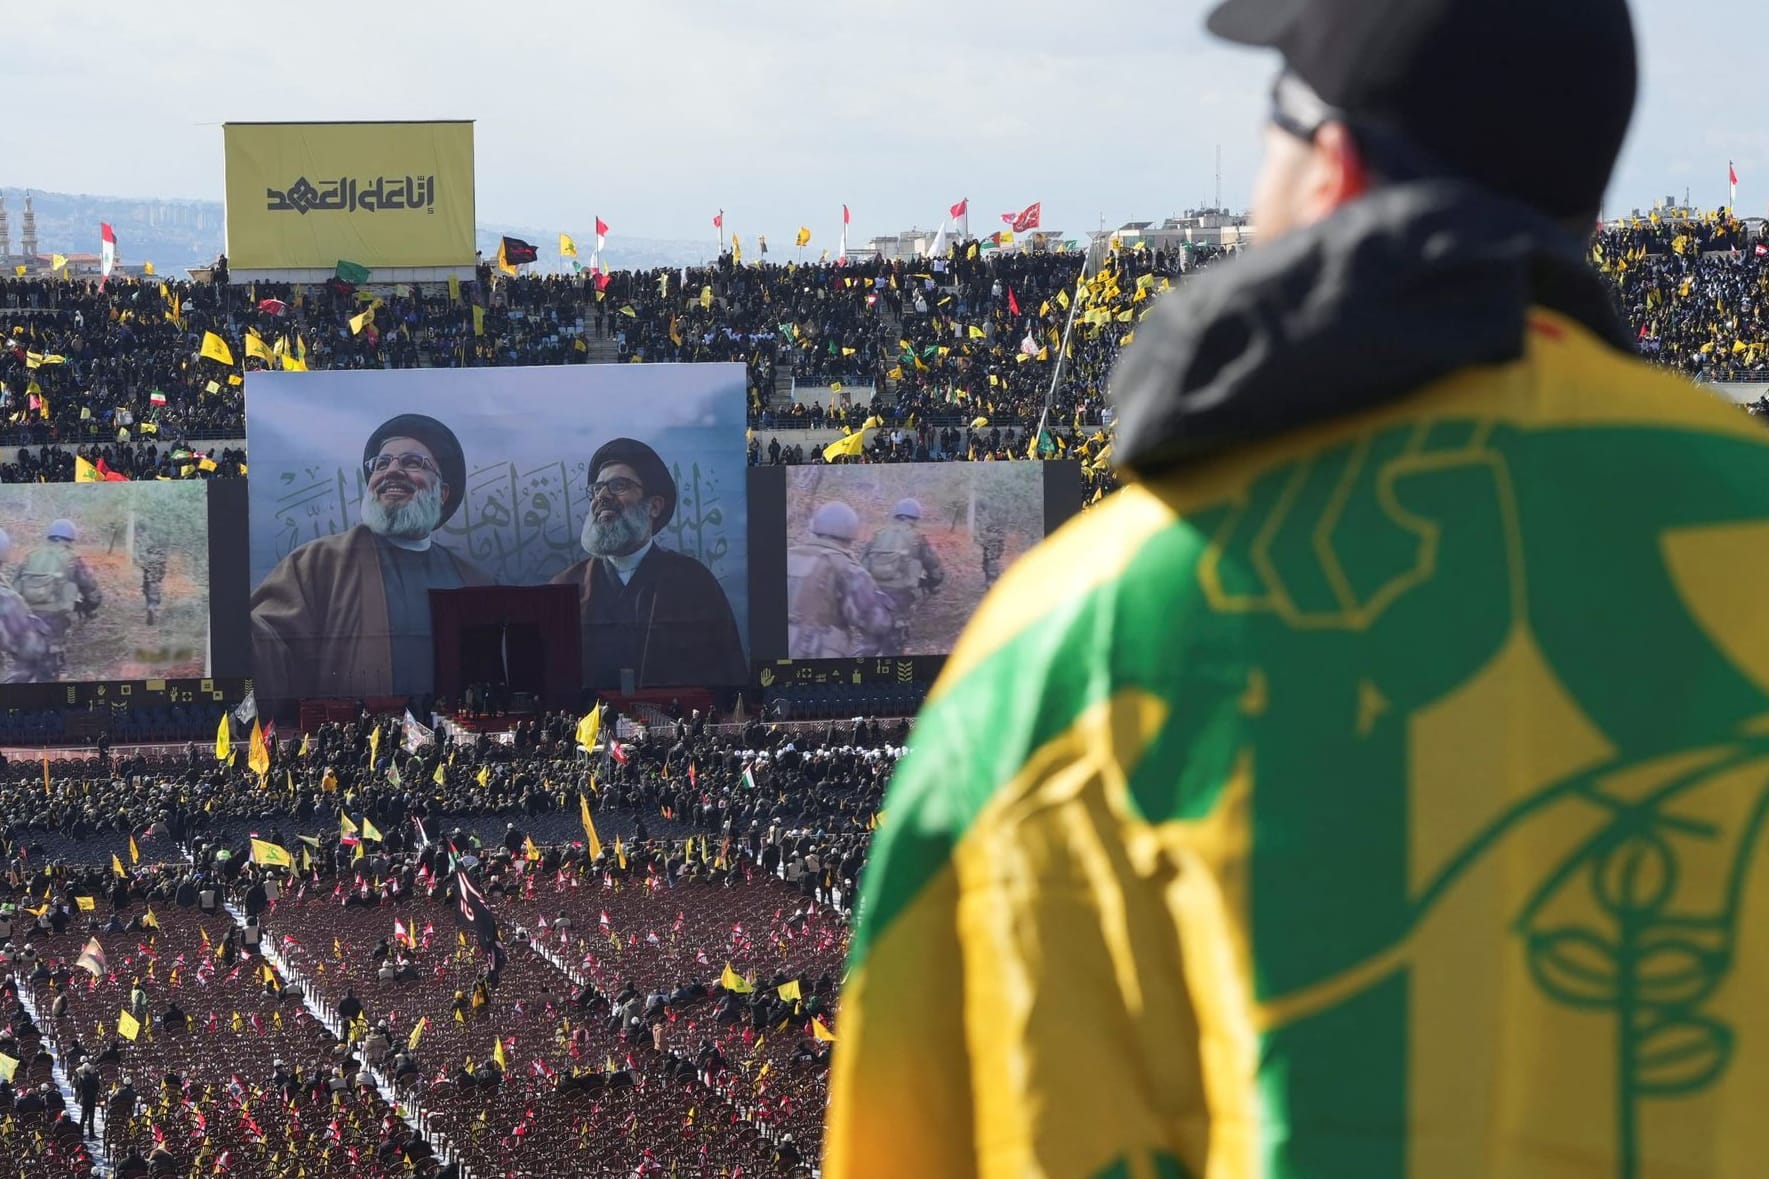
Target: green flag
352,272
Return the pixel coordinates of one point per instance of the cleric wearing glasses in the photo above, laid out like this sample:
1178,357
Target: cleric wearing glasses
349,614
641,606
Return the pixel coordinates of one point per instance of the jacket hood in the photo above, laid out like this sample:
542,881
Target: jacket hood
1392,292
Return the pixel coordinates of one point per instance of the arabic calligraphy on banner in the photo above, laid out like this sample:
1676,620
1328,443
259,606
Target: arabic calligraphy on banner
364,177
348,195
519,524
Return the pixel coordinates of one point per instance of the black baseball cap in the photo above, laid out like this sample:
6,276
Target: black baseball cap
1528,98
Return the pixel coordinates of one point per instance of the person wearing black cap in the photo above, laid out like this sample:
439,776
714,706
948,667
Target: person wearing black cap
642,606
349,614
1318,805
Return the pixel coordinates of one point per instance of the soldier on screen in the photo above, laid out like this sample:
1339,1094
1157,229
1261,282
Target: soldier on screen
992,541
58,587
834,610
902,562
150,555
24,638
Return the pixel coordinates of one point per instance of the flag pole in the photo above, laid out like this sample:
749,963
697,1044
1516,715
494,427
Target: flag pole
1056,374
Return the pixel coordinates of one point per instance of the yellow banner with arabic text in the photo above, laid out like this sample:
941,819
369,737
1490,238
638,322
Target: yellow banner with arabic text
307,195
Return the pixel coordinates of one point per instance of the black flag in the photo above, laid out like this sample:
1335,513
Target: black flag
517,251
474,912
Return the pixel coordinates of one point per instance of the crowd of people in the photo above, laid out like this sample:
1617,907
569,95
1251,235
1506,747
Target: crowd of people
1695,290
605,957
923,348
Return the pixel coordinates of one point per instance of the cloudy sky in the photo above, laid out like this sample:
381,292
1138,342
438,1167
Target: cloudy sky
655,114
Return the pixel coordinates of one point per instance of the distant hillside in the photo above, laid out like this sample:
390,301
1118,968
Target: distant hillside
174,234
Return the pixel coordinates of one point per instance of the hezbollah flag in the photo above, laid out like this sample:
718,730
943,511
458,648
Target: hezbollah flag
223,742
1309,804
591,841
589,728
271,855
258,755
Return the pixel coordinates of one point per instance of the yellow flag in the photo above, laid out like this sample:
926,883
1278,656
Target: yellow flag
57,261
345,826
255,346
128,1026
293,364
368,830
438,777
216,349
134,852
258,753
849,447
374,745
804,236
148,920
483,776
567,247
821,1032
85,472
593,842
497,1054
620,853
734,982
361,320
411,1042
87,904
789,992
588,728
223,741
478,321
147,268
117,866
271,854
8,1066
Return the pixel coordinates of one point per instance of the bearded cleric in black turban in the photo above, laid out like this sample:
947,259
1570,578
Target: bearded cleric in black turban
349,614
642,606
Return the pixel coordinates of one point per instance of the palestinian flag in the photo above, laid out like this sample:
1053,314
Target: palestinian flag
516,251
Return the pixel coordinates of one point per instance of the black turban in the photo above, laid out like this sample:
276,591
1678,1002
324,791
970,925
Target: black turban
645,463
441,442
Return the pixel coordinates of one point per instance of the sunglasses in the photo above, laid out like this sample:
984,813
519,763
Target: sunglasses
1297,110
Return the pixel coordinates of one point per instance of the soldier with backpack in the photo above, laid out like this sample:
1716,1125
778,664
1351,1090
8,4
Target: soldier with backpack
902,562
834,610
56,584
24,638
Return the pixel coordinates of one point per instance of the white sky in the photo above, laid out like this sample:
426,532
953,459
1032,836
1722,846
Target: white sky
655,113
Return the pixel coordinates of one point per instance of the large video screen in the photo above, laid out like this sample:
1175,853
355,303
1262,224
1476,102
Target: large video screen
104,581
370,489
893,559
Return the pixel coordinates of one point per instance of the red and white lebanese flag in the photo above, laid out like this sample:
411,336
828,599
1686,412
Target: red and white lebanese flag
960,209
601,234
1731,178
719,220
842,258
110,246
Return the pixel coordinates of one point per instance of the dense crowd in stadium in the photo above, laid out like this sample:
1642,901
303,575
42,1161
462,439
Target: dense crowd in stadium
961,349
363,955
642,978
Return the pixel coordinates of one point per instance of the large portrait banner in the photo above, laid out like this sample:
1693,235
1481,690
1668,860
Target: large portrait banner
369,489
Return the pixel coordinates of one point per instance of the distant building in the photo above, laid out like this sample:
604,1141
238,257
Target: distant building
27,253
916,243
1197,227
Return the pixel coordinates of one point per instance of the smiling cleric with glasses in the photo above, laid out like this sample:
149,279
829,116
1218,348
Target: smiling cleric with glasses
349,614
